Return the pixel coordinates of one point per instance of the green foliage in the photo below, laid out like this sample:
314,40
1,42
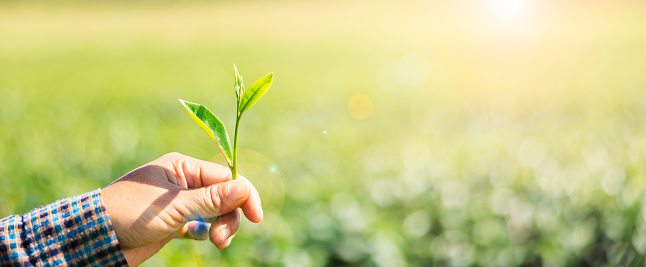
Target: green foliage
212,126
215,128
255,92
239,85
516,149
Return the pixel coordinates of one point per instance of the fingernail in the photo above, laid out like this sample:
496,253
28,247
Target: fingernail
225,234
261,213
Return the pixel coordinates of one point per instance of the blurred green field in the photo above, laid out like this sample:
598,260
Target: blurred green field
499,134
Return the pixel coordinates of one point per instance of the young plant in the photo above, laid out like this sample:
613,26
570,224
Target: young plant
214,126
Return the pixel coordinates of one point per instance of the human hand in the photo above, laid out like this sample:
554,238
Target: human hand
157,202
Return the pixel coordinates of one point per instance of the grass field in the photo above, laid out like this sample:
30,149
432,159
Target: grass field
487,134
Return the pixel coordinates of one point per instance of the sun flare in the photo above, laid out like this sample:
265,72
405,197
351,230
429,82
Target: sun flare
510,10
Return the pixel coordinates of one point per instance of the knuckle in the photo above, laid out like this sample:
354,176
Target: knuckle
184,165
174,155
175,216
215,196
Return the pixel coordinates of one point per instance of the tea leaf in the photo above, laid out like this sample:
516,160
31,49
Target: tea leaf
239,86
212,126
255,92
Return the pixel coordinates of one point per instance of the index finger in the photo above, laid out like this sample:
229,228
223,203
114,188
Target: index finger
194,173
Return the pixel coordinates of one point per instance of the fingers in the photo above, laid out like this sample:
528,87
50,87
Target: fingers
221,199
220,232
223,231
195,173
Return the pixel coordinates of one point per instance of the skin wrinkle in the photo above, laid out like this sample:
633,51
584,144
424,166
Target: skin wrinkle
199,182
136,235
214,195
186,170
166,217
171,177
227,192
179,171
176,214
208,203
189,201
182,232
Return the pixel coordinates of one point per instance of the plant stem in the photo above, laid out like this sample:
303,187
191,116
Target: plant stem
234,170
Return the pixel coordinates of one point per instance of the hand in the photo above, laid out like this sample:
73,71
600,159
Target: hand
157,202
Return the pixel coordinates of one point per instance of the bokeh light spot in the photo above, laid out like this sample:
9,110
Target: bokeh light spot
359,106
417,224
401,77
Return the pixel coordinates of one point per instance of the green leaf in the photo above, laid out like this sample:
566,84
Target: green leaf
239,86
255,92
212,126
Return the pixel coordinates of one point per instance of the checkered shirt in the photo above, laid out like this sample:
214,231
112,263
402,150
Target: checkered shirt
74,231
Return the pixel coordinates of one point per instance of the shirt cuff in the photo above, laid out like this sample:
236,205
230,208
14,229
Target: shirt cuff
73,231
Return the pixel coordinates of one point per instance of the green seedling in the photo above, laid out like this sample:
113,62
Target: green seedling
214,126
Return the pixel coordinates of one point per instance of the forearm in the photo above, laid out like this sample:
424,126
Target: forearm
73,231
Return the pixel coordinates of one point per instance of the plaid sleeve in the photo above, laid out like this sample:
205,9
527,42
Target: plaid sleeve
74,231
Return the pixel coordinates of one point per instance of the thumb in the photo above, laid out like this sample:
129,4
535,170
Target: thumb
214,200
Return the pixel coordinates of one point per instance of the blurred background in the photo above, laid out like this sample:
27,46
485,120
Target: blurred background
448,133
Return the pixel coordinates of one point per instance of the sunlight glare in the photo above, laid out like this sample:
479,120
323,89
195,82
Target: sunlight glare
510,10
